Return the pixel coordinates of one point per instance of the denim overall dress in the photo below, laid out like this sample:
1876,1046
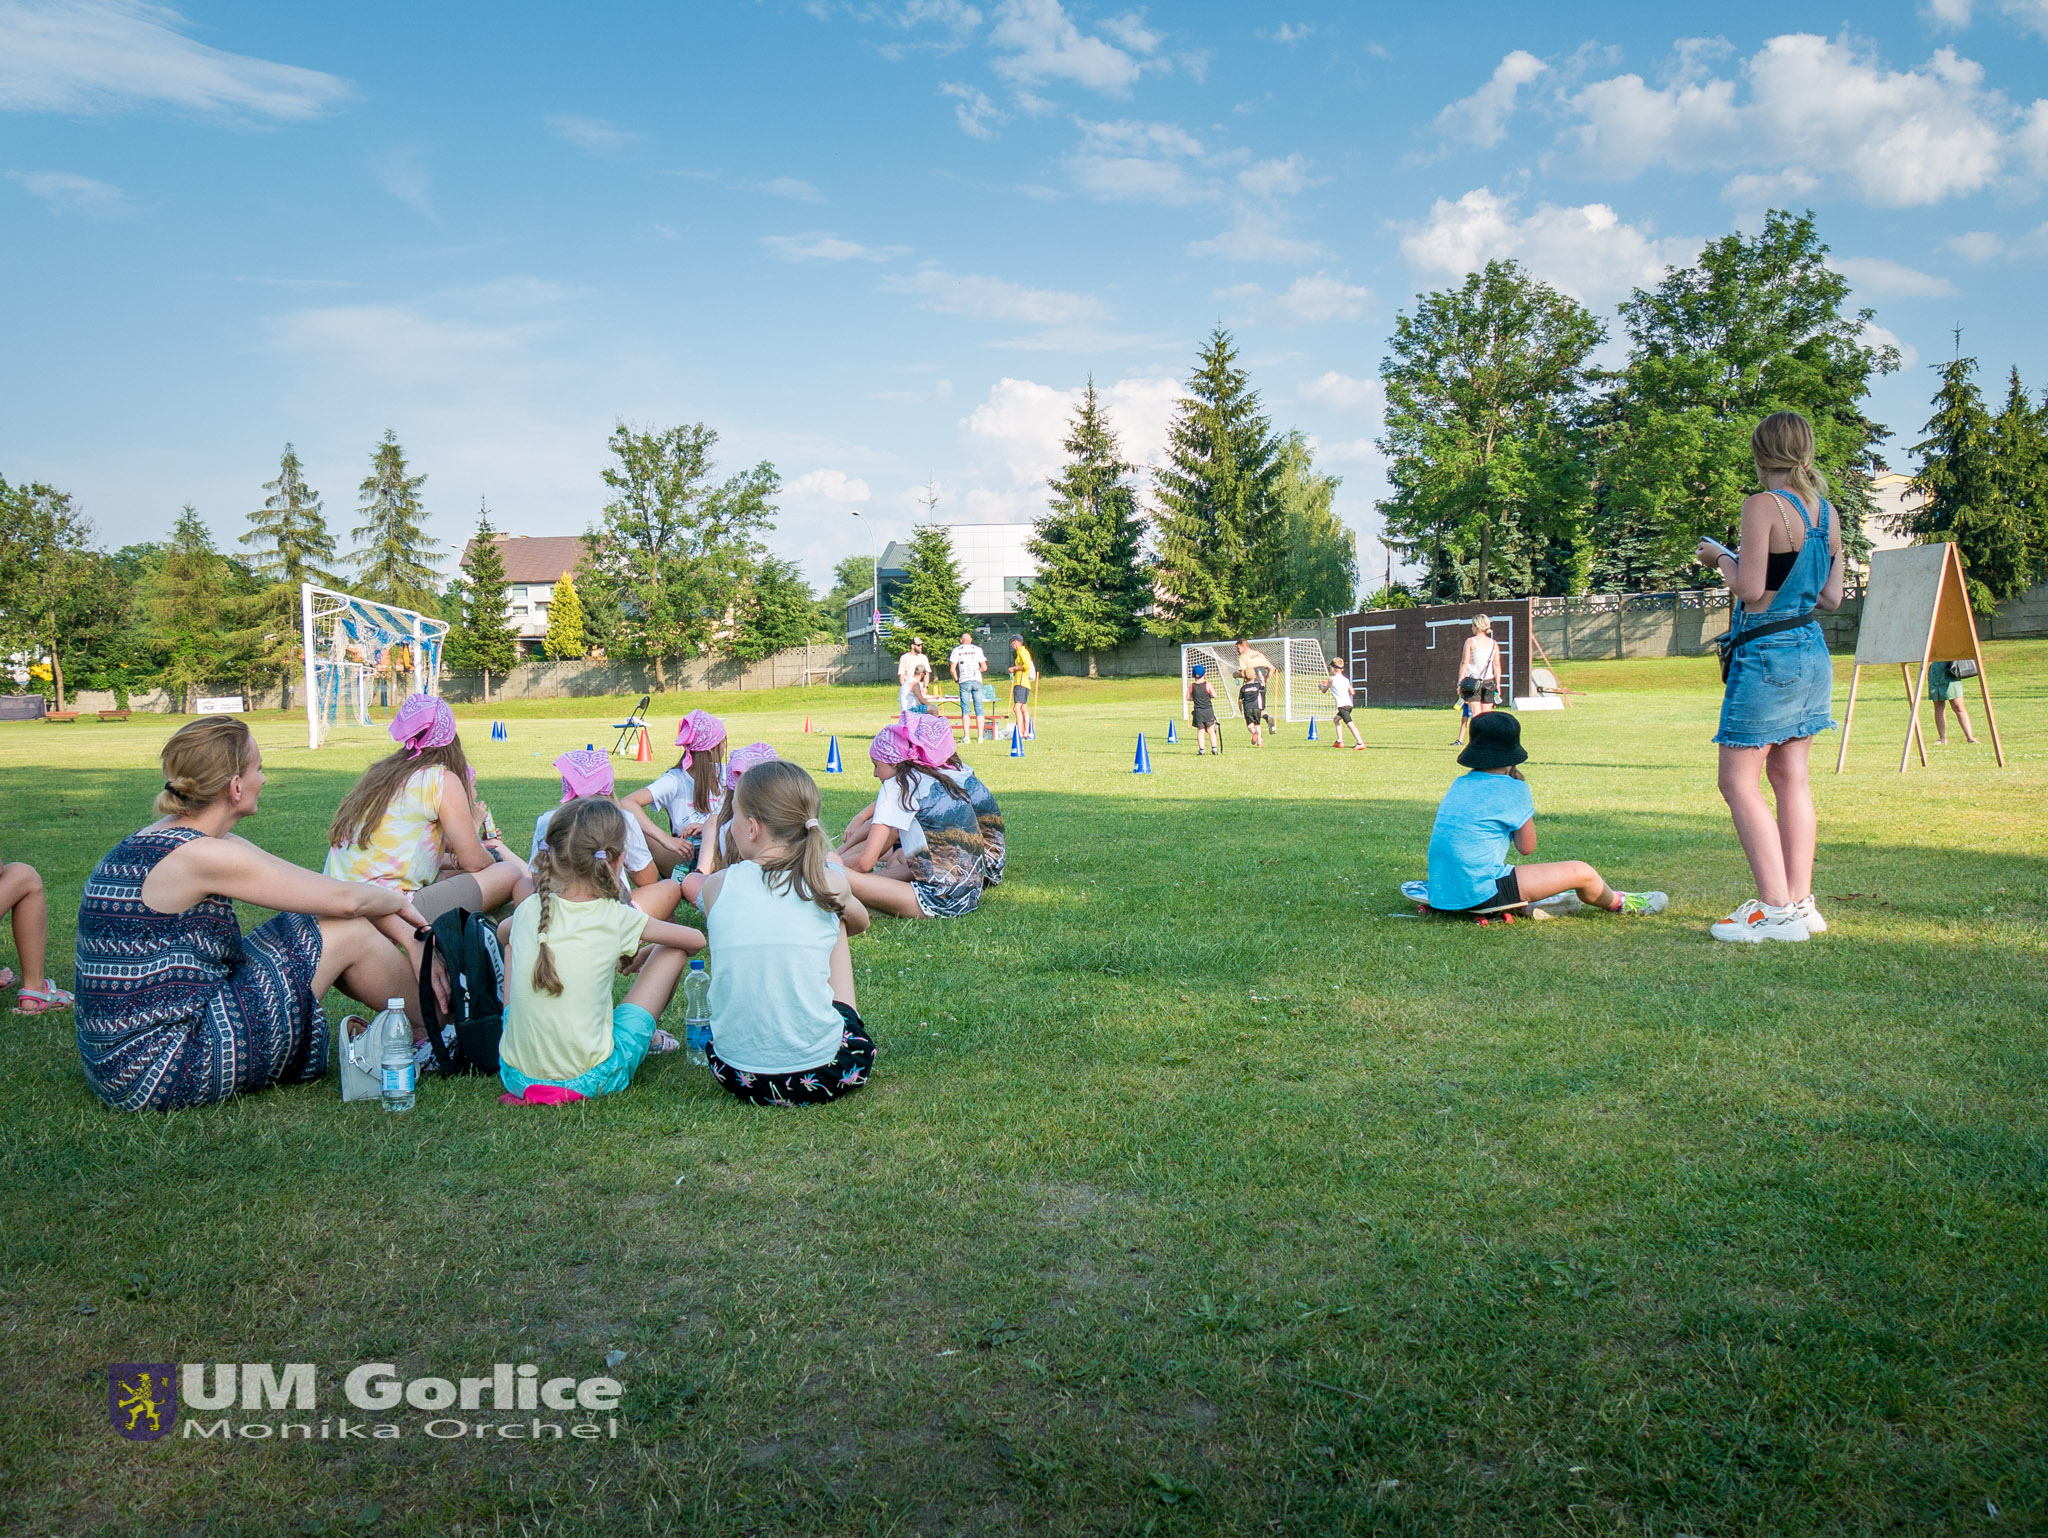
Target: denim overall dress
1782,686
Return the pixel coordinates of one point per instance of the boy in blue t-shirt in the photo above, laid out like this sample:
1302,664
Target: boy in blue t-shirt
1486,810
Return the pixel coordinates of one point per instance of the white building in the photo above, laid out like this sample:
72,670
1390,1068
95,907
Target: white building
994,567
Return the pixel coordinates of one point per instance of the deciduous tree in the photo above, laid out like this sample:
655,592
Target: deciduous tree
565,621
1321,576
48,573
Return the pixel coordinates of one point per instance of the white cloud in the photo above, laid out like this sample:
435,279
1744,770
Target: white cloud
1340,392
1287,32
1138,162
834,486
589,133
406,179
954,293
1039,41
1879,277
1481,118
817,246
104,55
1274,178
1815,114
795,188
972,109
1587,252
2031,14
1015,437
1310,300
1947,13
1984,246
1871,334
72,193
1254,238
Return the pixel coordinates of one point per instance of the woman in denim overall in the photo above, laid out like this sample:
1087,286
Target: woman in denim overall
1780,686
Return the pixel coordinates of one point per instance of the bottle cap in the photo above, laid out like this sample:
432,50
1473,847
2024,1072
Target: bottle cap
397,1004
696,963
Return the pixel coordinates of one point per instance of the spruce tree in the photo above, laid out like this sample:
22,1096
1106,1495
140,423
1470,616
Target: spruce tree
928,607
394,557
1091,590
565,621
2019,470
289,532
1959,490
483,638
1222,535
186,600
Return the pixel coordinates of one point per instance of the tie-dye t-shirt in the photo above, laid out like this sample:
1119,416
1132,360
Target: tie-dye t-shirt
404,851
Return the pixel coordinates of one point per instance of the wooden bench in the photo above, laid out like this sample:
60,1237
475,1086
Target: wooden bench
113,715
60,715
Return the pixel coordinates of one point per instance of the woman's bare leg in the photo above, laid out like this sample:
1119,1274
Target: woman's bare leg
359,960
1798,828
1755,827
884,894
28,910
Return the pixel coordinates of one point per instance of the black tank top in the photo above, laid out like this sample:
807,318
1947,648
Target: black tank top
1777,568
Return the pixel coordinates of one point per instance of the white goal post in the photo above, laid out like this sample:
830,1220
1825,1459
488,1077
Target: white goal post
348,642
1292,689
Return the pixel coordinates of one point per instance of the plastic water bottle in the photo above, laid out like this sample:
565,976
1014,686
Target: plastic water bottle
697,1012
395,1063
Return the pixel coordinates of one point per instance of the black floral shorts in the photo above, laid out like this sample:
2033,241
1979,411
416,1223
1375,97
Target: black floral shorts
813,1086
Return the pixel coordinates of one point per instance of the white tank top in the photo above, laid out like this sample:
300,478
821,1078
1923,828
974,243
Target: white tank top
771,976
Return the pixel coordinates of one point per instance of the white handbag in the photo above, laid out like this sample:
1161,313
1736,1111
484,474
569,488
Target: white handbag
361,1077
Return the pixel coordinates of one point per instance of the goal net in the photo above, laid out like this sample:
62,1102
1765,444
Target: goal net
354,646
1299,669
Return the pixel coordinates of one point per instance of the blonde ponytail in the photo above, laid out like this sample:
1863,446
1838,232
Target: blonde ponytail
578,834
783,798
1783,442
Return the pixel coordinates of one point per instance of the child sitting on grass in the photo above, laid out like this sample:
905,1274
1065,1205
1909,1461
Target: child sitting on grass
1481,814
688,794
563,1038
784,1029
715,851
586,772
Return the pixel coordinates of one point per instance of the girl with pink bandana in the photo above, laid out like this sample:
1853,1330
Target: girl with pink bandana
688,794
412,823
587,775
715,852
917,851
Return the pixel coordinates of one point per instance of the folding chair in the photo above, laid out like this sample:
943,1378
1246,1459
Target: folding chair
632,726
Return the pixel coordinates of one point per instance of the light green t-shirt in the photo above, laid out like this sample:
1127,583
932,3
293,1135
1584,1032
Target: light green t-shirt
558,1038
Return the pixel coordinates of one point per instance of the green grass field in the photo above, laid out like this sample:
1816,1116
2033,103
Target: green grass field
1201,1187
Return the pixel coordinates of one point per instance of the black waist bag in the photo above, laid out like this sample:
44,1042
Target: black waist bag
468,943
1728,640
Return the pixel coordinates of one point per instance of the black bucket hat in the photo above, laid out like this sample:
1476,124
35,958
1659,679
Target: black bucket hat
1496,742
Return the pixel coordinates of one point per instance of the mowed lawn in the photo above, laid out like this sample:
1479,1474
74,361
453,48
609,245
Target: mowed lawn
1201,1187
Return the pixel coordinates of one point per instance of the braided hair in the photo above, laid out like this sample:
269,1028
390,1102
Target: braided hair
578,834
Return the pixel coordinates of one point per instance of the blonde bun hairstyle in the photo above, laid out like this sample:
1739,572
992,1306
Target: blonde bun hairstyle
199,761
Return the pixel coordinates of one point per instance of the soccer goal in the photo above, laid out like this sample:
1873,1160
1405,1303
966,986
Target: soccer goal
1299,669
350,643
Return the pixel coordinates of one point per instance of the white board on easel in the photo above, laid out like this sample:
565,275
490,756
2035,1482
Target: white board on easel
1916,609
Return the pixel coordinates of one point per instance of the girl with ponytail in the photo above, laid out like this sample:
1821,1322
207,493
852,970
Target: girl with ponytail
564,1039
784,1027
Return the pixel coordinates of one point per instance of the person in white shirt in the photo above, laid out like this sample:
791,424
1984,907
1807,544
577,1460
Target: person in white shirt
969,662
912,665
587,773
1343,695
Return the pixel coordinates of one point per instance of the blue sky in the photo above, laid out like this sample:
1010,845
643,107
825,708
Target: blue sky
880,244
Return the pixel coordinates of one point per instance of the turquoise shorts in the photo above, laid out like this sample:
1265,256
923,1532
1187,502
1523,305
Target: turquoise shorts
632,1031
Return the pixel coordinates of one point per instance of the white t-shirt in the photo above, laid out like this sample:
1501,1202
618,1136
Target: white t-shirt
910,664
968,662
1341,692
638,855
672,793
892,811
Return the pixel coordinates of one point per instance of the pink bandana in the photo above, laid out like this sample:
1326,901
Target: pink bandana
423,721
748,757
585,772
698,732
891,745
931,739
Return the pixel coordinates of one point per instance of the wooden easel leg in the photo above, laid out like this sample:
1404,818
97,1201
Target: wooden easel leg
1984,691
1913,737
1849,716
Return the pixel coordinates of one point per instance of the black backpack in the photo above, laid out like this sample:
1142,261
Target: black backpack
468,943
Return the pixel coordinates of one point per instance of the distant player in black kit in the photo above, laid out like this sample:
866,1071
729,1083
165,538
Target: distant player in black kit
1253,669
1202,707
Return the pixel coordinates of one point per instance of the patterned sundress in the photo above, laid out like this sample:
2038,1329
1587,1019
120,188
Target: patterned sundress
945,850
183,1009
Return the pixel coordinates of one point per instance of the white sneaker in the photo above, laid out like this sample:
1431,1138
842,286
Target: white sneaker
1755,922
1806,909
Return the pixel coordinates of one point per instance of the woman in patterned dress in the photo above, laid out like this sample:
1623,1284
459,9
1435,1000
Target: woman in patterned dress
176,1006
917,851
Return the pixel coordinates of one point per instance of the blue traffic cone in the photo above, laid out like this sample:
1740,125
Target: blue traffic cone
1031,731
1016,743
1311,728
1142,764
1171,737
832,763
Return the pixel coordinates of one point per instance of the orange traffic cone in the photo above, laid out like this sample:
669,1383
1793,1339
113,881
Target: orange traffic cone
644,753
807,726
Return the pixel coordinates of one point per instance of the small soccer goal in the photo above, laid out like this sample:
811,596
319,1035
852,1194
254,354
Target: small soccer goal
1299,670
353,643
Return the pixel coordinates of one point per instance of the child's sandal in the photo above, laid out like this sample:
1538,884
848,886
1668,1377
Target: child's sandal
31,1002
7,977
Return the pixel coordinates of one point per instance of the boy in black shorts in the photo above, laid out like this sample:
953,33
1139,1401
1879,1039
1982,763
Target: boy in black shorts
1202,705
1254,668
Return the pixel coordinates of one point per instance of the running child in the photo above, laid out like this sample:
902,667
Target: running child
1201,700
785,1029
1486,810
687,794
1339,688
1254,667
564,1039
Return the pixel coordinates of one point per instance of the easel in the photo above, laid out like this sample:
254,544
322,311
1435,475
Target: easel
1916,609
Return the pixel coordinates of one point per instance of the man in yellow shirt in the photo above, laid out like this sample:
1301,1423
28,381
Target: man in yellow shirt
1023,679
